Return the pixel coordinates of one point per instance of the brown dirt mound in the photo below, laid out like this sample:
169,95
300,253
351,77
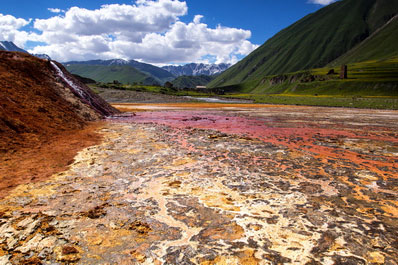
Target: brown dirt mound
36,103
44,121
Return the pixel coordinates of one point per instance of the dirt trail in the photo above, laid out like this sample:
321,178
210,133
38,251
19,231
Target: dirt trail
236,185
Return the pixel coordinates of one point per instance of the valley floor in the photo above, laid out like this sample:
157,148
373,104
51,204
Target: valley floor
217,184
125,96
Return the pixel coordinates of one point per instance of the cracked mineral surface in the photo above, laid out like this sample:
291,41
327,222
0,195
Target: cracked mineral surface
194,184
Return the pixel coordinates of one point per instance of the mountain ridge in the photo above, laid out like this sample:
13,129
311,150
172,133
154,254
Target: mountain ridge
158,74
125,74
313,41
191,81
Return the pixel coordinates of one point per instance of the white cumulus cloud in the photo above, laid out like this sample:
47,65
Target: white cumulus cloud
10,30
149,30
322,2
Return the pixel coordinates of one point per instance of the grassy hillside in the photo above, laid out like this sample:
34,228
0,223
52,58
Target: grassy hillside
370,84
123,73
191,81
376,47
313,41
370,78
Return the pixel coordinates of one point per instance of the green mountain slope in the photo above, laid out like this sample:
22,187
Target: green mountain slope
376,47
314,41
191,81
160,75
123,73
157,73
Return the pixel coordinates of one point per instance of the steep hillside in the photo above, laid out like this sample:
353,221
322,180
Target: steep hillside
194,69
377,47
158,74
38,98
108,73
191,81
314,41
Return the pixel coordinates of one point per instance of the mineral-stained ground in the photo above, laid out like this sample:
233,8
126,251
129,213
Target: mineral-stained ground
225,185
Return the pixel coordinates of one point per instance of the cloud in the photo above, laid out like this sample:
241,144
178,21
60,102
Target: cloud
10,30
55,10
322,2
149,31
8,22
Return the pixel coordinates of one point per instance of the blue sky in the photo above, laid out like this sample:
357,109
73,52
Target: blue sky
186,31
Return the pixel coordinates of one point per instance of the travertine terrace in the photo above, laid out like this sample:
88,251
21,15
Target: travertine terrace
217,184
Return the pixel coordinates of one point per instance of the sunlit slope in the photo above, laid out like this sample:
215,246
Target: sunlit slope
314,41
370,78
381,45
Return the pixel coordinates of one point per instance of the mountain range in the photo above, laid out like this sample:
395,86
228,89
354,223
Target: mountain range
195,69
343,32
125,71
131,71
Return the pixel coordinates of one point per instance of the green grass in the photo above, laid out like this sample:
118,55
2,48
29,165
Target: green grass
150,89
371,78
327,101
316,40
371,84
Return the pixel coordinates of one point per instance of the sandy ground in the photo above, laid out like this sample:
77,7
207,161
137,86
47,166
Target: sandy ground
198,184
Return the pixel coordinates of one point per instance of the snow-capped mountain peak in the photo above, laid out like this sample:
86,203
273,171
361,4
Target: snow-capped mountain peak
10,46
194,69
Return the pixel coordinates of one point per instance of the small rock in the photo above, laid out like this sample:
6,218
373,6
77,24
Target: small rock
48,242
31,245
67,253
25,222
66,250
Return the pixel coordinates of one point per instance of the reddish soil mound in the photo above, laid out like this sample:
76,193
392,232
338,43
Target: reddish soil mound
44,115
35,102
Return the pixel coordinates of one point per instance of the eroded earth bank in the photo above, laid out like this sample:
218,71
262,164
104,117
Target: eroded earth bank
225,185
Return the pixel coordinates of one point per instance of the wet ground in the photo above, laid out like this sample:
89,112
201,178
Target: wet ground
217,184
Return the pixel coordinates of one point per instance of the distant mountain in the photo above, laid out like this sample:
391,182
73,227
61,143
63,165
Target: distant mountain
191,81
194,69
10,46
158,74
124,74
316,40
